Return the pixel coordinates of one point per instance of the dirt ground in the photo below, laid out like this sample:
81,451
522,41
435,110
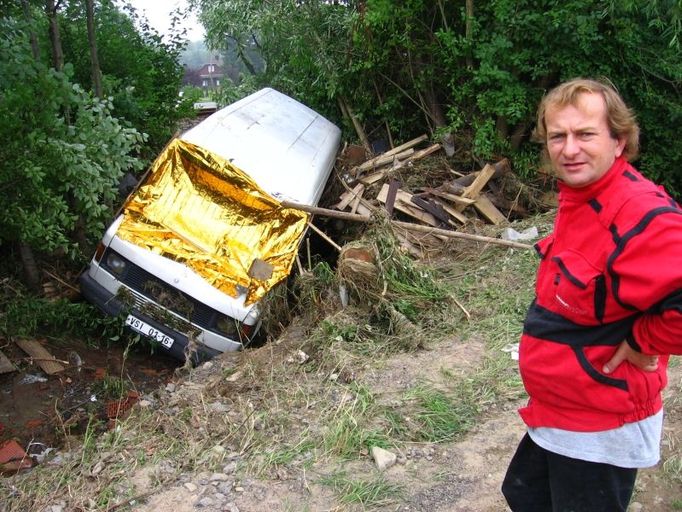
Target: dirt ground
461,476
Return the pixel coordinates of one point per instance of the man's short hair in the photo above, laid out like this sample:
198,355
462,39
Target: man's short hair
620,118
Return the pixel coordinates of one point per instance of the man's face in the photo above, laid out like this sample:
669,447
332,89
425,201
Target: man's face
579,142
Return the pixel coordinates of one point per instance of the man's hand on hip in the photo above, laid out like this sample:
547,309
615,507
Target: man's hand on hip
626,353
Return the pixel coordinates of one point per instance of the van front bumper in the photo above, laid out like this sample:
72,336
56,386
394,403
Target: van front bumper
96,294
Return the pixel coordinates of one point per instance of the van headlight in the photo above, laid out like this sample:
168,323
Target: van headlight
115,263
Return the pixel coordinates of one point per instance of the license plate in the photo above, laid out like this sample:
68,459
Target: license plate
151,332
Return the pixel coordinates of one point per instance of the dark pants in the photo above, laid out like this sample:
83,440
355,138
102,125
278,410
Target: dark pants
541,481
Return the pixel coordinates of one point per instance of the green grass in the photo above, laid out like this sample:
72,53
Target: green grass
370,493
439,416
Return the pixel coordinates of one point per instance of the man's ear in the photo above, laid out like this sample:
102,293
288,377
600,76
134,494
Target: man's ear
620,146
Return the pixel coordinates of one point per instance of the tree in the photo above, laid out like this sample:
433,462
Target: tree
94,58
473,69
140,70
55,169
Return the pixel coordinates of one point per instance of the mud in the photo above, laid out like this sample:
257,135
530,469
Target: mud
42,411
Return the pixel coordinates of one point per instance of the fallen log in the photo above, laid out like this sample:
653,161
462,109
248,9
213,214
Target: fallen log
406,225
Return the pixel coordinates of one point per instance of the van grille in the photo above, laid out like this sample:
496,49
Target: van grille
150,288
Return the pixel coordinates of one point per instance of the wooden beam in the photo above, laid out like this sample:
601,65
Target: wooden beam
382,159
416,227
369,164
486,208
424,152
45,360
473,190
405,205
348,196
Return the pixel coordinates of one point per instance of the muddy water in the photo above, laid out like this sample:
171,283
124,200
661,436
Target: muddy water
40,410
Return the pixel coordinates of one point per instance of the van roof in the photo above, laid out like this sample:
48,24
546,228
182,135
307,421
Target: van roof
286,147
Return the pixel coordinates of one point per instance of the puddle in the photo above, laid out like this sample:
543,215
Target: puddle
39,410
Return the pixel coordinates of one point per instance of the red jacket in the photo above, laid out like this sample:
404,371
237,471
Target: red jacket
610,271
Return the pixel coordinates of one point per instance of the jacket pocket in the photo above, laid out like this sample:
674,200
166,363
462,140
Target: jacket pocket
579,288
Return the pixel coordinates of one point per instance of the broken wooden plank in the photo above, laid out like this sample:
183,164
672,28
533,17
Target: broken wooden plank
358,198
459,200
407,145
404,204
452,212
40,355
369,164
362,211
374,177
423,153
486,208
473,190
348,196
393,187
434,208
381,160
6,365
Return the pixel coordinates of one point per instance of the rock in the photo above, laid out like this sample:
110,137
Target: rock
230,468
383,458
190,487
635,506
231,507
204,502
170,387
218,477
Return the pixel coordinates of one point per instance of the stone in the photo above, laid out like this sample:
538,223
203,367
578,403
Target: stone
204,502
190,486
383,458
230,468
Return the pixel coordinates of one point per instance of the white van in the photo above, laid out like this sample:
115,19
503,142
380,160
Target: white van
177,264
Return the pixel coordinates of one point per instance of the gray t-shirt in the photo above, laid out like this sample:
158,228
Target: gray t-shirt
634,445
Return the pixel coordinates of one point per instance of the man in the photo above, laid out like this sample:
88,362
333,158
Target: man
607,313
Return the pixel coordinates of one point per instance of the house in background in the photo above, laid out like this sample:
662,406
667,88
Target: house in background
209,77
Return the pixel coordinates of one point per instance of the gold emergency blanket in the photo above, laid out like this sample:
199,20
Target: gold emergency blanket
197,208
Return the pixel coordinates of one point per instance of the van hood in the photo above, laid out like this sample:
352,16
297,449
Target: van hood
199,209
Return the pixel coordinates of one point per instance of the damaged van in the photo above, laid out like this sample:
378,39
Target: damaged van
204,236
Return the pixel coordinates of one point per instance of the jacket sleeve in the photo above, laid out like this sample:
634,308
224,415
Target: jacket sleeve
646,272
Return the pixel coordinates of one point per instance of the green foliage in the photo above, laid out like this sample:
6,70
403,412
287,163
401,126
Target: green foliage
110,388
141,70
27,316
418,66
63,151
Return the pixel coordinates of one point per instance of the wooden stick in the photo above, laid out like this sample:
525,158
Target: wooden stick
415,227
323,235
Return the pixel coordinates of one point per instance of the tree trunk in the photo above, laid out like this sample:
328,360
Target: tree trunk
439,120
35,49
55,39
346,110
31,271
469,31
94,58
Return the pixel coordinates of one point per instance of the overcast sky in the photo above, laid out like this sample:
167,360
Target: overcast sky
157,12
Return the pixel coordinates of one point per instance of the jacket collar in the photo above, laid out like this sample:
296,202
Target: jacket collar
584,194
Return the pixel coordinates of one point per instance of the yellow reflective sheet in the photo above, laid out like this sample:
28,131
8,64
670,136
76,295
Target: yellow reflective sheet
197,208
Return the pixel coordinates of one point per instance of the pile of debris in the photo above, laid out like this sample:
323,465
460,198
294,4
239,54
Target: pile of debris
436,213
